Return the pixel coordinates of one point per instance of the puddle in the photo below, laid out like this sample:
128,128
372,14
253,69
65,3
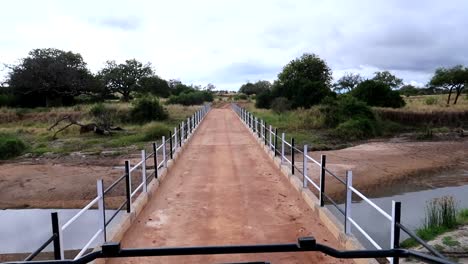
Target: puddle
413,195
24,230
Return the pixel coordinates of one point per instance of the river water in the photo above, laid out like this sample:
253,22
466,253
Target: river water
24,230
413,194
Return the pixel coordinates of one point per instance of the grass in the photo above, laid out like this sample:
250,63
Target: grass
31,127
425,103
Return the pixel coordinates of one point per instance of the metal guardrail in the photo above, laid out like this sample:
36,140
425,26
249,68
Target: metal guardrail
181,134
255,124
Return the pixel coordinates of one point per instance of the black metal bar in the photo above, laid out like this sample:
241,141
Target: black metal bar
335,204
56,233
276,140
155,160
170,144
116,212
37,251
292,156
322,179
104,211
127,185
396,230
264,133
108,189
422,242
336,177
180,137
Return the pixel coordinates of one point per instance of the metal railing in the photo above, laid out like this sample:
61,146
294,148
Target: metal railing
265,134
166,148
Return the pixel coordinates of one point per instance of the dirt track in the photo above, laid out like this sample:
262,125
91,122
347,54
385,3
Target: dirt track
225,190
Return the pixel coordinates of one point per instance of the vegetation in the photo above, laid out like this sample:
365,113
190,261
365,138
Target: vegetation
377,93
441,216
455,78
192,97
255,88
281,105
147,109
10,146
347,83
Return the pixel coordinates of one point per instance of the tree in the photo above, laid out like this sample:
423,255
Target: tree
347,83
155,85
255,88
409,90
210,87
449,79
50,77
304,81
125,78
376,93
389,79
263,100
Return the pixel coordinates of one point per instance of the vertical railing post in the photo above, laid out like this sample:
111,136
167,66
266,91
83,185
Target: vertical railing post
188,127
349,201
175,138
276,142
155,159
282,148
255,124
304,168
143,170
128,186
101,209
395,229
170,144
182,134
323,162
180,137
56,230
164,151
269,134
265,133
292,156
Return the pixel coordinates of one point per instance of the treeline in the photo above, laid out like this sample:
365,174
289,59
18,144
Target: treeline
307,81
52,77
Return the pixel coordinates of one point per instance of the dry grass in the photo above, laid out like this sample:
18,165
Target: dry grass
425,103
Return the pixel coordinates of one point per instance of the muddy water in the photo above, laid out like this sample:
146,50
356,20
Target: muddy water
24,230
413,194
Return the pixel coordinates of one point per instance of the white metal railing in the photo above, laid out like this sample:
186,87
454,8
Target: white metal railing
253,123
181,135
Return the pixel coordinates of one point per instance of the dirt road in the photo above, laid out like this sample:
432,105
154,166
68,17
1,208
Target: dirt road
224,190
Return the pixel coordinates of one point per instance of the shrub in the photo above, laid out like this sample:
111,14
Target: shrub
147,109
345,107
263,100
441,212
280,105
241,96
154,131
431,101
191,98
376,93
103,115
10,146
358,128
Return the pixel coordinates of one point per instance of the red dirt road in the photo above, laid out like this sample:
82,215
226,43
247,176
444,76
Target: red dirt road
224,190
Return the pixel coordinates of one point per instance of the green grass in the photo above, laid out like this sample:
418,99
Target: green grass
448,240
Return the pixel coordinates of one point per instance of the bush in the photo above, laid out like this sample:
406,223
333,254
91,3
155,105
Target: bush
10,146
154,131
345,107
241,96
376,93
280,105
263,100
103,115
147,109
358,128
431,101
191,98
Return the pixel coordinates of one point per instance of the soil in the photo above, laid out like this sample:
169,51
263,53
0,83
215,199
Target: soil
224,190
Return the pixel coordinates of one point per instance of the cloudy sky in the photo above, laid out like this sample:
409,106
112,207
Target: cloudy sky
230,42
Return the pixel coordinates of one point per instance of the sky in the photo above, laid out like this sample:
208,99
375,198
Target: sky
228,43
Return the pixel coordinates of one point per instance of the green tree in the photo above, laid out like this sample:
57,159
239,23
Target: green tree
389,79
263,100
255,88
449,79
304,81
155,85
409,90
377,93
50,77
125,78
347,83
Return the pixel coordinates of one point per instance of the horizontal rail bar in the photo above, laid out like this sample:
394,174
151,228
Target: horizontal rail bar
286,159
371,203
160,146
364,233
422,242
37,251
160,165
114,184
334,204
286,143
80,213
150,156
88,244
136,165
296,149
311,159
313,183
336,177
137,189
117,212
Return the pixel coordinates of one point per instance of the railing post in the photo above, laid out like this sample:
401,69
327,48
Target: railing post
276,142
395,229
155,159
128,186
56,230
349,201
180,137
264,133
175,138
170,144
143,170
188,127
282,148
101,208
292,156
269,133
323,162
304,168
164,151
182,133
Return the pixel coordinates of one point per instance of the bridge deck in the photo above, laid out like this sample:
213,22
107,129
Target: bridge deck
225,190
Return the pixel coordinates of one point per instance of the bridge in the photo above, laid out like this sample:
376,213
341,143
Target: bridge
224,177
